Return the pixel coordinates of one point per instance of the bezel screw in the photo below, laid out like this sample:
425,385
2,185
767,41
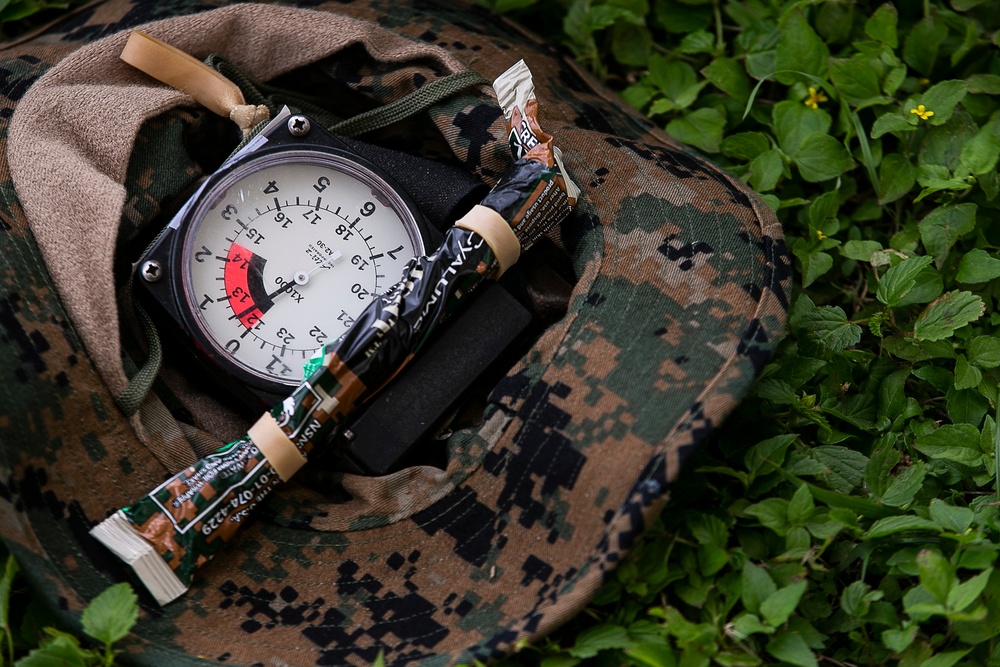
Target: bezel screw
151,271
299,126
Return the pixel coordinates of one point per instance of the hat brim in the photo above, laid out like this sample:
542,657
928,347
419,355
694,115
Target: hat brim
681,294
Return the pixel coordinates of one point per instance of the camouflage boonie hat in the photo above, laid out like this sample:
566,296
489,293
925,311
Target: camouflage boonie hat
680,295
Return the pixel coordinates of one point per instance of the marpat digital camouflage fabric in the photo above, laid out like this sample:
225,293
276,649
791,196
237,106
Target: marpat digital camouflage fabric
681,290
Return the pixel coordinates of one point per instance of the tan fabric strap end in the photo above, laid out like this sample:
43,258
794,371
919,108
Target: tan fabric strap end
496,232
178,69
281,452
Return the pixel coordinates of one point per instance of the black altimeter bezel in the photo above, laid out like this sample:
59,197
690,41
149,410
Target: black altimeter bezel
169,251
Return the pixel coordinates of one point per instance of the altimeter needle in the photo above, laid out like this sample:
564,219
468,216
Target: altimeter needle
300,278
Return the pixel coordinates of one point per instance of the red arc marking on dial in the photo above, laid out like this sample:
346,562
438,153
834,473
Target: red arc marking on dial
237,282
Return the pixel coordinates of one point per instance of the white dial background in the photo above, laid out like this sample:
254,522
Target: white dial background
286,254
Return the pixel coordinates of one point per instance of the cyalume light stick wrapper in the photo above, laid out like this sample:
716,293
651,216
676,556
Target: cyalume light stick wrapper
175,529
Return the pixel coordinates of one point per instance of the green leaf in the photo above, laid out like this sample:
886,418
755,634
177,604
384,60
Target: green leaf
953,310
728,75
920,49
709,530
900,279
928,286
853,504
778,606
682,18
757,587
899,524
892,122
111,615
892,401
856,81
905,486
898,640
980,155
897,176
944,226
826,327
676,80
598,638
61,651
801,507
821,157
853,599
954,442
10,572
631,44
745,145
843,468
860,250
988,84
966,406
965,594
967,376
711,560
824,208
792,648
936,574
766,169
749,624
948,659
984,351
771,512
653,655
793,122
814,264
800,48
700,41
701,128
977,266
942,98
882,25
918,350
949,517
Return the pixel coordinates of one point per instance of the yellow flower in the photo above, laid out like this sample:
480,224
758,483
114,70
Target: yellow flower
922,112
820,235
815,97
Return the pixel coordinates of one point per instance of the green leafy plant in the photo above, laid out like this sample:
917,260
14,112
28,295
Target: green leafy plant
107,619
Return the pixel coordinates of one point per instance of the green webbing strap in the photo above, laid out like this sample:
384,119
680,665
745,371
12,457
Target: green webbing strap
131,398
420,99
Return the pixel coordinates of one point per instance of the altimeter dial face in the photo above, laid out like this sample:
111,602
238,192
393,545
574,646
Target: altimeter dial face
285,252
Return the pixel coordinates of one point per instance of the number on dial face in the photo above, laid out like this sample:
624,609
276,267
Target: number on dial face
289,255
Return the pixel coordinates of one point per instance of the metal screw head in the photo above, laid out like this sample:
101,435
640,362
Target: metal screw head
299,126
151,271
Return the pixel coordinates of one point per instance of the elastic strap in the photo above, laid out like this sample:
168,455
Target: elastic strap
183,72
272,442
495,231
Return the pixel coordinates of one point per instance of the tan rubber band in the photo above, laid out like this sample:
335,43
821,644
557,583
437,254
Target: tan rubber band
496,232
176,68
281,452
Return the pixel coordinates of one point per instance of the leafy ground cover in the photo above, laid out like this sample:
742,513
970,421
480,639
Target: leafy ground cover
852,502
